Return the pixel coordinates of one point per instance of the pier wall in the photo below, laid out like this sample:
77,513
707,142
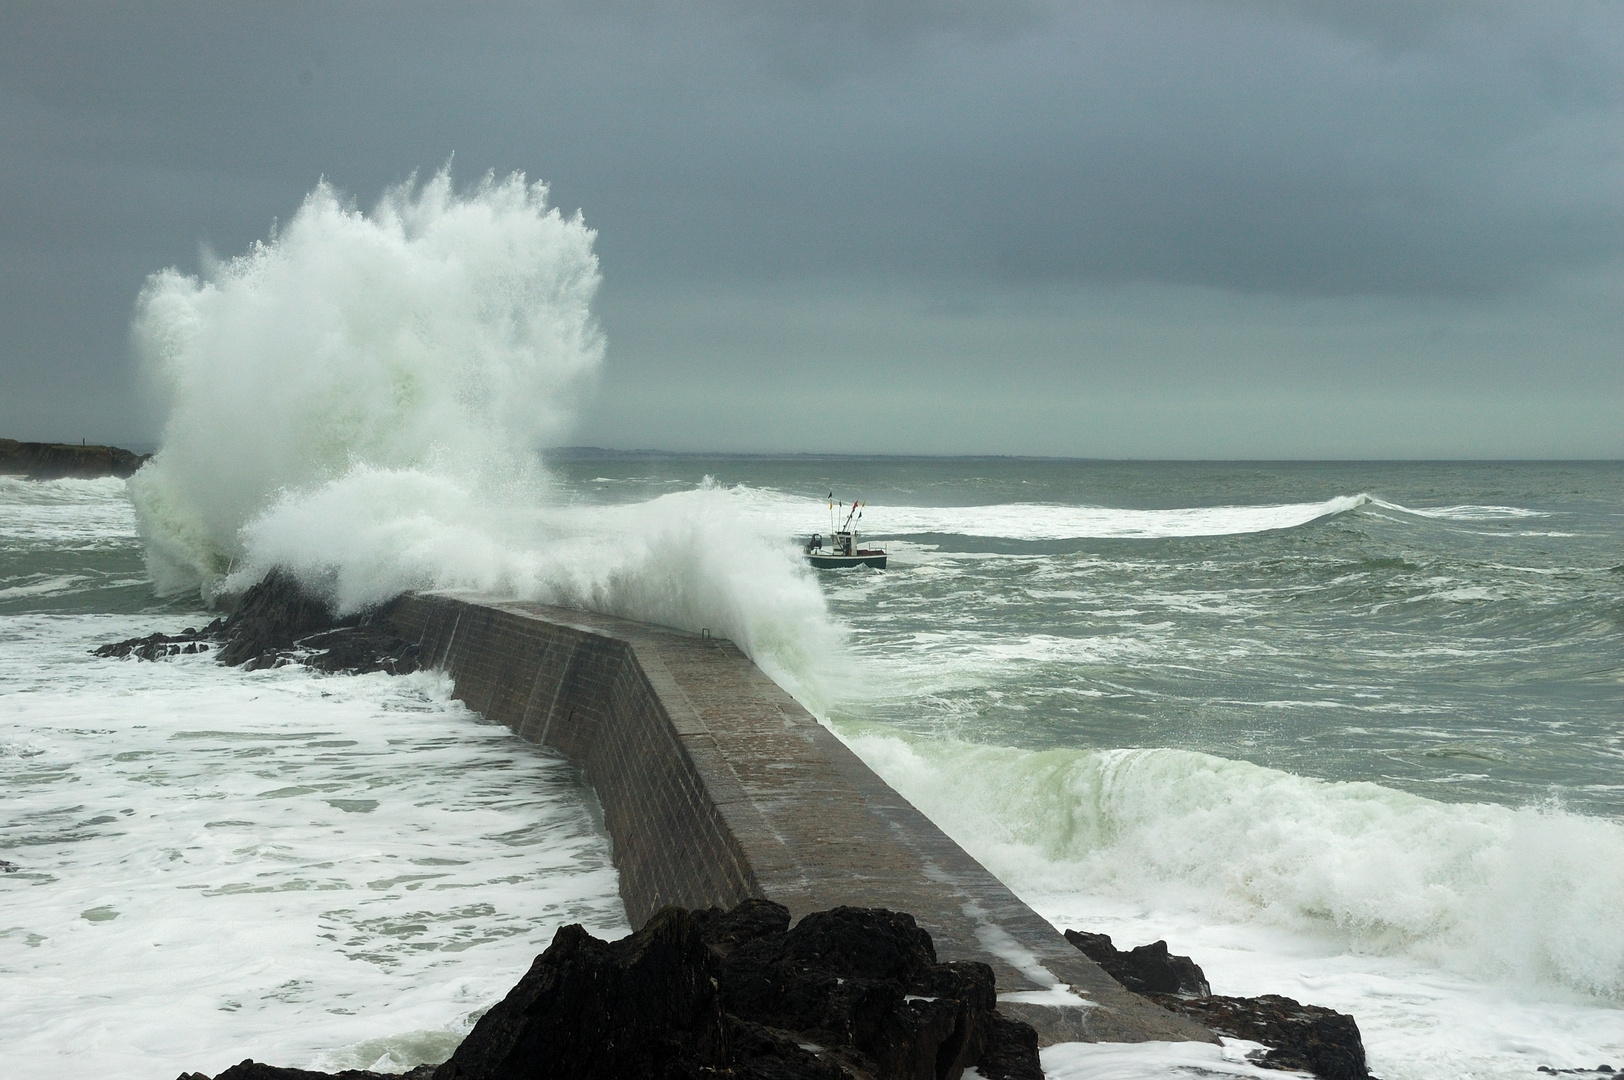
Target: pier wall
716,786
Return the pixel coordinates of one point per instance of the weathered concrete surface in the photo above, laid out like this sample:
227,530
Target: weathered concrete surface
716,786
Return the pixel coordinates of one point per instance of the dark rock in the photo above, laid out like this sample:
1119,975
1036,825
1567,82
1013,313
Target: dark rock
270,617
55,461
866,980
1012,1051
645,1005
763,1053
157,646
1148,969
1307,1037
357,650
725,931
847,994
278,621
8,867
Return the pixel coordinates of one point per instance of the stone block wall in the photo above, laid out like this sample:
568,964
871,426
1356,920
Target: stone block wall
716,785
584,694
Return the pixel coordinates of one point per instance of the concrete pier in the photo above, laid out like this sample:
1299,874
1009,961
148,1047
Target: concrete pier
716,786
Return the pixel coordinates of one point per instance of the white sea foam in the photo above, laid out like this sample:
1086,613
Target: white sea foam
64,514
313,870
360,398
1038,521
1466,513
1519,904
47,586
1055,521
1154,1061
1051,521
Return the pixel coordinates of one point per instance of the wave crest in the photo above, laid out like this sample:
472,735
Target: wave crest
1529,893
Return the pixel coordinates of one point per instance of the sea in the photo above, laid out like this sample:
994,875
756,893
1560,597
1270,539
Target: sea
1346,732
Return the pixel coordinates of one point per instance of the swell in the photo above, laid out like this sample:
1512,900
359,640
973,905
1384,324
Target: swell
1026,526
1527,895
1038,522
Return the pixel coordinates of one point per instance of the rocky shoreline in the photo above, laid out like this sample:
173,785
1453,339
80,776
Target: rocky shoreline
846,994
1309,1038
57,461
277,622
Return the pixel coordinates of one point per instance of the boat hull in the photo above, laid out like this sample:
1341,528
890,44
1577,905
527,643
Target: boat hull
876,559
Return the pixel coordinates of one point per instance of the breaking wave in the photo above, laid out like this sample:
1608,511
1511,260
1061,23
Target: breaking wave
362,398
1021,521
1051,521
1465,513
1528,895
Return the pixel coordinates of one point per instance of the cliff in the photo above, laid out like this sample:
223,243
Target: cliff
54,461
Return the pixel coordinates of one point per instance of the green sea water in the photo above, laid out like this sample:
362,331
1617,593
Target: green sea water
1458,633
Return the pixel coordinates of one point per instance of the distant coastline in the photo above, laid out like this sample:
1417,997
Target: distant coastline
57,461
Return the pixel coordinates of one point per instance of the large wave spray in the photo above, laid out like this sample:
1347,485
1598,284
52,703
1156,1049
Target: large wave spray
362,396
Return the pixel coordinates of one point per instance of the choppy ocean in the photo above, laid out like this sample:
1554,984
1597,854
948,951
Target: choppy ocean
1346,732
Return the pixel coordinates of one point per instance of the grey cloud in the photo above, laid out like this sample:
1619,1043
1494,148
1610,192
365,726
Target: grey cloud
1219,144
1271,148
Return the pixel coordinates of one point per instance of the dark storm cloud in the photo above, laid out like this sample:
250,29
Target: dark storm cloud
1258,146
1262,147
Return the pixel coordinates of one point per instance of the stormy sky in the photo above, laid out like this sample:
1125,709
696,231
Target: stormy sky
1233,228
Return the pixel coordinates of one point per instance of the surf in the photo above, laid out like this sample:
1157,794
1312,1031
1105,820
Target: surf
363,398
1492,892
1048,521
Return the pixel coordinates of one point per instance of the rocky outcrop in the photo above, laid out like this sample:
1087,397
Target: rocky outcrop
268,622
846,994
862,982
158,646
278,621
1148,969
56,461
646,1005
1305,1037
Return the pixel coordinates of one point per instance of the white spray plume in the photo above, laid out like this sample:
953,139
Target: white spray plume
361,398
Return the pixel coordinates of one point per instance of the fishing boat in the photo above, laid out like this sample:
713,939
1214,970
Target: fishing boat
843,550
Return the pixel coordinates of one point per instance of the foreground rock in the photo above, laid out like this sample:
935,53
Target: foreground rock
56,461
278,621
847,994
1304,1037
1149,969
1307,1037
